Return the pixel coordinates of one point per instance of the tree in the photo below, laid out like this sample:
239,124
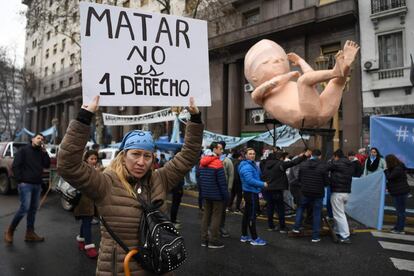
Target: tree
11,104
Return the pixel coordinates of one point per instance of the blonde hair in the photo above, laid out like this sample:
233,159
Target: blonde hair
118,167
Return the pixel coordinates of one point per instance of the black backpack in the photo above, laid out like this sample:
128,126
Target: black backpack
161,248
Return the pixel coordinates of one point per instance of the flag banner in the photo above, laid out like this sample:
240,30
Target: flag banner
163,115
366,201
392,135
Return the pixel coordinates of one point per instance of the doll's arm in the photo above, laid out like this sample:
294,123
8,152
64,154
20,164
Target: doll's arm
260,92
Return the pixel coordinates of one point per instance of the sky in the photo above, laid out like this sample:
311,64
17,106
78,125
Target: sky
12,29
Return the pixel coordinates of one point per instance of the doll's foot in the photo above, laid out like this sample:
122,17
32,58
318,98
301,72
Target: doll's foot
350,50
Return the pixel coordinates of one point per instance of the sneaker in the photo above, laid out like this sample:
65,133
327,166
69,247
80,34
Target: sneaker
283,230
204,243
95,221
395,231
345,241
245,239
238,212
216,244
258,241
271,229
316,240
224,233
296,231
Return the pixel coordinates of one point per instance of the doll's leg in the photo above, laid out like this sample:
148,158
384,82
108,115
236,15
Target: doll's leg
332,94
309,100
298,61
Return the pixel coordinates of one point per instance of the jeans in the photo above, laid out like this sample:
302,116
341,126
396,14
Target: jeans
328,202
317,209
86,229
29,195
249,215
338,201
275,200
400,204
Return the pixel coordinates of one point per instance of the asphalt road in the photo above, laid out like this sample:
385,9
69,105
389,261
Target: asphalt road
58,255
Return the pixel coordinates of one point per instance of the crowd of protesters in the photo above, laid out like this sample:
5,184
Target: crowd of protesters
307,178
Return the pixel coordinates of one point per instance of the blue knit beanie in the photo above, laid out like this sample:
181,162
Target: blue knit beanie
138,139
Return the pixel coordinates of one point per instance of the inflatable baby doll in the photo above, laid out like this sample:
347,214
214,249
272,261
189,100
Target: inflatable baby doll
296,103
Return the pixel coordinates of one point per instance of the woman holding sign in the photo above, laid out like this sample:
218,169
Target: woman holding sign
128,177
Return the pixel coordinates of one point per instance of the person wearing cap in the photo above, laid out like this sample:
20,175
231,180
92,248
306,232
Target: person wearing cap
115,189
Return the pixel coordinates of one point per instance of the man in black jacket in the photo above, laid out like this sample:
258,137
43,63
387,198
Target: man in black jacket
313,175
341,179
274,173
28,165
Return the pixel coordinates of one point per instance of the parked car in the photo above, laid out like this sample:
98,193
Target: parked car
7,152
7,181
107,155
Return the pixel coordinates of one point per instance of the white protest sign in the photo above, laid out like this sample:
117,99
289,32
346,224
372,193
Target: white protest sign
131,57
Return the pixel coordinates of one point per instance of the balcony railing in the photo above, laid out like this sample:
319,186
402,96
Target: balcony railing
391,73
384,5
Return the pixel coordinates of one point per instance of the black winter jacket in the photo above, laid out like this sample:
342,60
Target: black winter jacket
28,164
341,175
274,172
358,169
397,181
313,176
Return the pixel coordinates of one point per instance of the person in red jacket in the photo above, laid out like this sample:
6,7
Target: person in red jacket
212,181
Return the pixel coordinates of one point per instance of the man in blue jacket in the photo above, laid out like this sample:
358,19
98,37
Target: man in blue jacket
252,185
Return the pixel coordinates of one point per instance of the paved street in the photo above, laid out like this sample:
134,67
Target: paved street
370,253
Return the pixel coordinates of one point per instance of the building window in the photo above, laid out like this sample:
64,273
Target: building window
45,90
52,87
46,71
144,2
50,3
66,5
47,53
126,4
80,77
99,1
34,43
56,30
61,84
62,63
54,49
54,68
63,44
290,5
48,35
70,80
383,5
65,23
33,60
390,49
72,59
75,17
50,18
251,17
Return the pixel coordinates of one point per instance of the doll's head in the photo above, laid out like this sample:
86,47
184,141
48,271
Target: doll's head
265,60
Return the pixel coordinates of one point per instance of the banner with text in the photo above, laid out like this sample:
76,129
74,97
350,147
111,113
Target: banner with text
392,135
131,57
163,115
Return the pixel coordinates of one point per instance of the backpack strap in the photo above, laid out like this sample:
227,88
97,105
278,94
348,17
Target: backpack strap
117,239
